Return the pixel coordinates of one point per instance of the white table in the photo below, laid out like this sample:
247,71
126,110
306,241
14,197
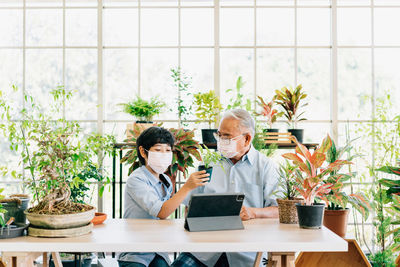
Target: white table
136,235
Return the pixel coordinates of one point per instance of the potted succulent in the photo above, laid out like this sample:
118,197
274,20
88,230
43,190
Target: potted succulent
291,102
143,110
269,113
184,152
183,84
237,100
311,181
288,195
336,213
208,108
209,158
52,152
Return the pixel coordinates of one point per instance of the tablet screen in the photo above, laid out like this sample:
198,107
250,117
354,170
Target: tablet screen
209,205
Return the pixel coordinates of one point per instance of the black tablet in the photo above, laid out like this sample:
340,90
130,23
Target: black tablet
211,212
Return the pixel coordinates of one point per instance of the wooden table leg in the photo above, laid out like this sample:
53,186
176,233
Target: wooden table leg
45,260
258,259
56,259
20,259
281,259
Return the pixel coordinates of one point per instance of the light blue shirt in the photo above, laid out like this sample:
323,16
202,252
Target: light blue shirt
144,197
256,176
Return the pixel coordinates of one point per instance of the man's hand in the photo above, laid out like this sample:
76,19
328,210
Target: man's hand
247,213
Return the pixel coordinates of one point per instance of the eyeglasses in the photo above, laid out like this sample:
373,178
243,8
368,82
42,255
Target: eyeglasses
225,140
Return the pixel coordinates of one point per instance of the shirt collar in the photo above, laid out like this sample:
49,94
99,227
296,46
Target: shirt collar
250,155
153,180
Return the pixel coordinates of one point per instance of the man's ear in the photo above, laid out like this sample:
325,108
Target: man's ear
248,139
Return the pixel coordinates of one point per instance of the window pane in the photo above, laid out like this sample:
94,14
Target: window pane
236,2
11,27
156,80
354,31
81,27
271,33
313,26
159,2
387,79
237,26
120,27
195,33
43,73
354,83
11,3
353,2
120,3
314,132
81,3
386,2
44,27
314,75
275,69
164,32
384,19
44,3
197,3
235,63
275,2
313,2
120,80
81,77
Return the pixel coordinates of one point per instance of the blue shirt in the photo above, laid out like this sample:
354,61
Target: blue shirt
256,176
144,197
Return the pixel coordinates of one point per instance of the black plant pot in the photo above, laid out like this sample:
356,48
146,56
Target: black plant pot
148,122
310,216
298,133
271,130
208,170
208,136
17,211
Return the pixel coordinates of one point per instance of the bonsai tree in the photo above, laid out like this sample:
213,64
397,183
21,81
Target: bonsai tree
237,100
338,199
291,102
184,152
183,84
143,110
268,111
311,176
208,107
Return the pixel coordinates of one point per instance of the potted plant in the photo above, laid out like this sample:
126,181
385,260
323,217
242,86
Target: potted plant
336,212
15,205
52,153
311,181
183,84
269,113
237,100
208,108
287,193
7,229
291,102
209,158
184,152
143,110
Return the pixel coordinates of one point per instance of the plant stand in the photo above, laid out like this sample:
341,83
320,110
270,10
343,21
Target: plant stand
277,259
354,257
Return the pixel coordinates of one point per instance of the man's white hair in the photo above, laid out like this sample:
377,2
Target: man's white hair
245,119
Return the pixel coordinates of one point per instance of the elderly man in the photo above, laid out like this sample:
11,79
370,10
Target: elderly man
243,169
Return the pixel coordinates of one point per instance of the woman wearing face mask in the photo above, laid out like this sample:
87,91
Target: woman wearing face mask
148,190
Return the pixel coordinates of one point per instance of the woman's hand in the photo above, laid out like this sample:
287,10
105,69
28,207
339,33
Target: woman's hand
197,179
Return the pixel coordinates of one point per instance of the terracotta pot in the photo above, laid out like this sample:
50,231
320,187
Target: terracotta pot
336,221
287,210
99,218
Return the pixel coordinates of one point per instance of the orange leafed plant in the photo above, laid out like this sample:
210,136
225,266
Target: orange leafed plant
311,174
268,111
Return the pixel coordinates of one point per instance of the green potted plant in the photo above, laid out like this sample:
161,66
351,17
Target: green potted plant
209,159
143,110
287,193
237,100
183,84
7,227
311,181
270,114
184,152
208,108
291,102
336,213
53,155
15,205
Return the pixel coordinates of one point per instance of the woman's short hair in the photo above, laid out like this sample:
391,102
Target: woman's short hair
150,137
245,119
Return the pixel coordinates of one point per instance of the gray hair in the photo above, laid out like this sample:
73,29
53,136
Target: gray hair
244,118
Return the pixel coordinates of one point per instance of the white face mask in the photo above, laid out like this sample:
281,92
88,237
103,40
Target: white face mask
227,150
159,161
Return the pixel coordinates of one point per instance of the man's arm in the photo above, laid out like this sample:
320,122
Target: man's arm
248,213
